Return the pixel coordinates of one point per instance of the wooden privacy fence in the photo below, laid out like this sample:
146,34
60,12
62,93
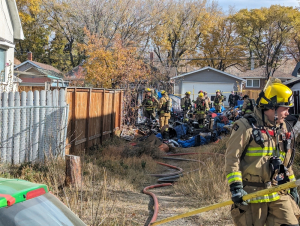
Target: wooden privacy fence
33,125
253,94
94,116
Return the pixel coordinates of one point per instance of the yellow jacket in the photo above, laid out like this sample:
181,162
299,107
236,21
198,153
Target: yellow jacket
162,105
254,167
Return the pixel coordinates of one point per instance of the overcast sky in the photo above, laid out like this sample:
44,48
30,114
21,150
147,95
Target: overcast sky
250,4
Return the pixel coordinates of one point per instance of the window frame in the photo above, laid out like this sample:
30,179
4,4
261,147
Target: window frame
252,83
5,48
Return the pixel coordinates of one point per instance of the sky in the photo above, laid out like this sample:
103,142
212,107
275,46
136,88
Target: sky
251,4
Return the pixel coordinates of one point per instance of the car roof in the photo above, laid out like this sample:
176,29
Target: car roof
15,190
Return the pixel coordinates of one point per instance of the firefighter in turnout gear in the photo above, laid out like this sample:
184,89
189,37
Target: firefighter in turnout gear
186,103
201,109
149,104
260,155
218,101
248,107
206,97
164,108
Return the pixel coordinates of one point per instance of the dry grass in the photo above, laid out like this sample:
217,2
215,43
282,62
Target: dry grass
105,174
208,185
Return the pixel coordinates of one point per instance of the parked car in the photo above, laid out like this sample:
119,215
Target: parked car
23,203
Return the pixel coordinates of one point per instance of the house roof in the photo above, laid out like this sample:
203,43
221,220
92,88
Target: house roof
14,14
292,81
43,68
208,68
284,71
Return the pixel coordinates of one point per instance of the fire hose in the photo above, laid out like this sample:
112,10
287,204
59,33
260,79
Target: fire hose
171,177
229,202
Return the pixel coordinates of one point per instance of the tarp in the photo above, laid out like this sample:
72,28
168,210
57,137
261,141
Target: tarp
181,130
192,142
213,109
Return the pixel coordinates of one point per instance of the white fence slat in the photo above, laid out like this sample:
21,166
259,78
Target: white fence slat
4,126
23,133
17,126
62,104
55,124
48,134
10,127
42,125
35,129
29,125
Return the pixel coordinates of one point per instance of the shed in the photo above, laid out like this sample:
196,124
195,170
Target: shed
207,79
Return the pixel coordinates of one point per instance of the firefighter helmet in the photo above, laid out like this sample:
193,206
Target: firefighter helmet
217,91
148,90
276,95
188,93
163,92
201,95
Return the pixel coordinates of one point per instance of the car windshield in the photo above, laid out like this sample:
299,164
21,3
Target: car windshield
42,210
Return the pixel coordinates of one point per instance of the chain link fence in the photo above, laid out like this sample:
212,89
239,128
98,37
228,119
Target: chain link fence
32,133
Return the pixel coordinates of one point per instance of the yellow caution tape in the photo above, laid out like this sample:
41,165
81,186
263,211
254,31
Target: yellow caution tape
229,202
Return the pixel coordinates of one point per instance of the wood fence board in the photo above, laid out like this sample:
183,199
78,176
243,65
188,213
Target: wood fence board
95,120
81,114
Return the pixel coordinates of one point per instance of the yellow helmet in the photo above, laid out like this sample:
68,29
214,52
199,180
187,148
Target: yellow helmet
148,90
188,93
163,92
201,95
217,91
276,95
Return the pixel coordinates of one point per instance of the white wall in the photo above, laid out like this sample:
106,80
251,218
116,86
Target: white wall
7,33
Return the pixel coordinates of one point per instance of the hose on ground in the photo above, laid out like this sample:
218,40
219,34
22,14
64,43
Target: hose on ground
154,217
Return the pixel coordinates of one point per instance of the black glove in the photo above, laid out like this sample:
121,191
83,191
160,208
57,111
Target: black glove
237,193
294,193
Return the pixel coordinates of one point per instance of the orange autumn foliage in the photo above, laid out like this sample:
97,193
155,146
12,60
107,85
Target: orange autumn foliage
112,65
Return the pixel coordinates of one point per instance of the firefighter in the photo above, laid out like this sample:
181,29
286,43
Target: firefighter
218,101
164,108
259,155
149,104
247,105
186,103
231,99
206,97
201,109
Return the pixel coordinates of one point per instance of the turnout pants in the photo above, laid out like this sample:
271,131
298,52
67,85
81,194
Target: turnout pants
164,119
283,212
200,118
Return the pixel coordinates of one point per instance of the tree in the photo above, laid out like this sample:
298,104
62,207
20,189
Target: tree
36,32
220,47
265,31
114,67
181,25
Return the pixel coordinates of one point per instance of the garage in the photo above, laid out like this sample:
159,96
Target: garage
207,79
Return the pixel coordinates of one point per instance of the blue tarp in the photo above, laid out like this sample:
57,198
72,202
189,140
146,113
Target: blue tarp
181,130
159,136
191,142
213,109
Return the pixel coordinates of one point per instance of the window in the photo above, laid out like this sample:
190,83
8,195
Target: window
2,64
253,83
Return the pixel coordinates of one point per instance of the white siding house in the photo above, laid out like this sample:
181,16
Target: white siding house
10,31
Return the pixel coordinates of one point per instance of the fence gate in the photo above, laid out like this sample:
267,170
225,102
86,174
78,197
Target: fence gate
33,125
